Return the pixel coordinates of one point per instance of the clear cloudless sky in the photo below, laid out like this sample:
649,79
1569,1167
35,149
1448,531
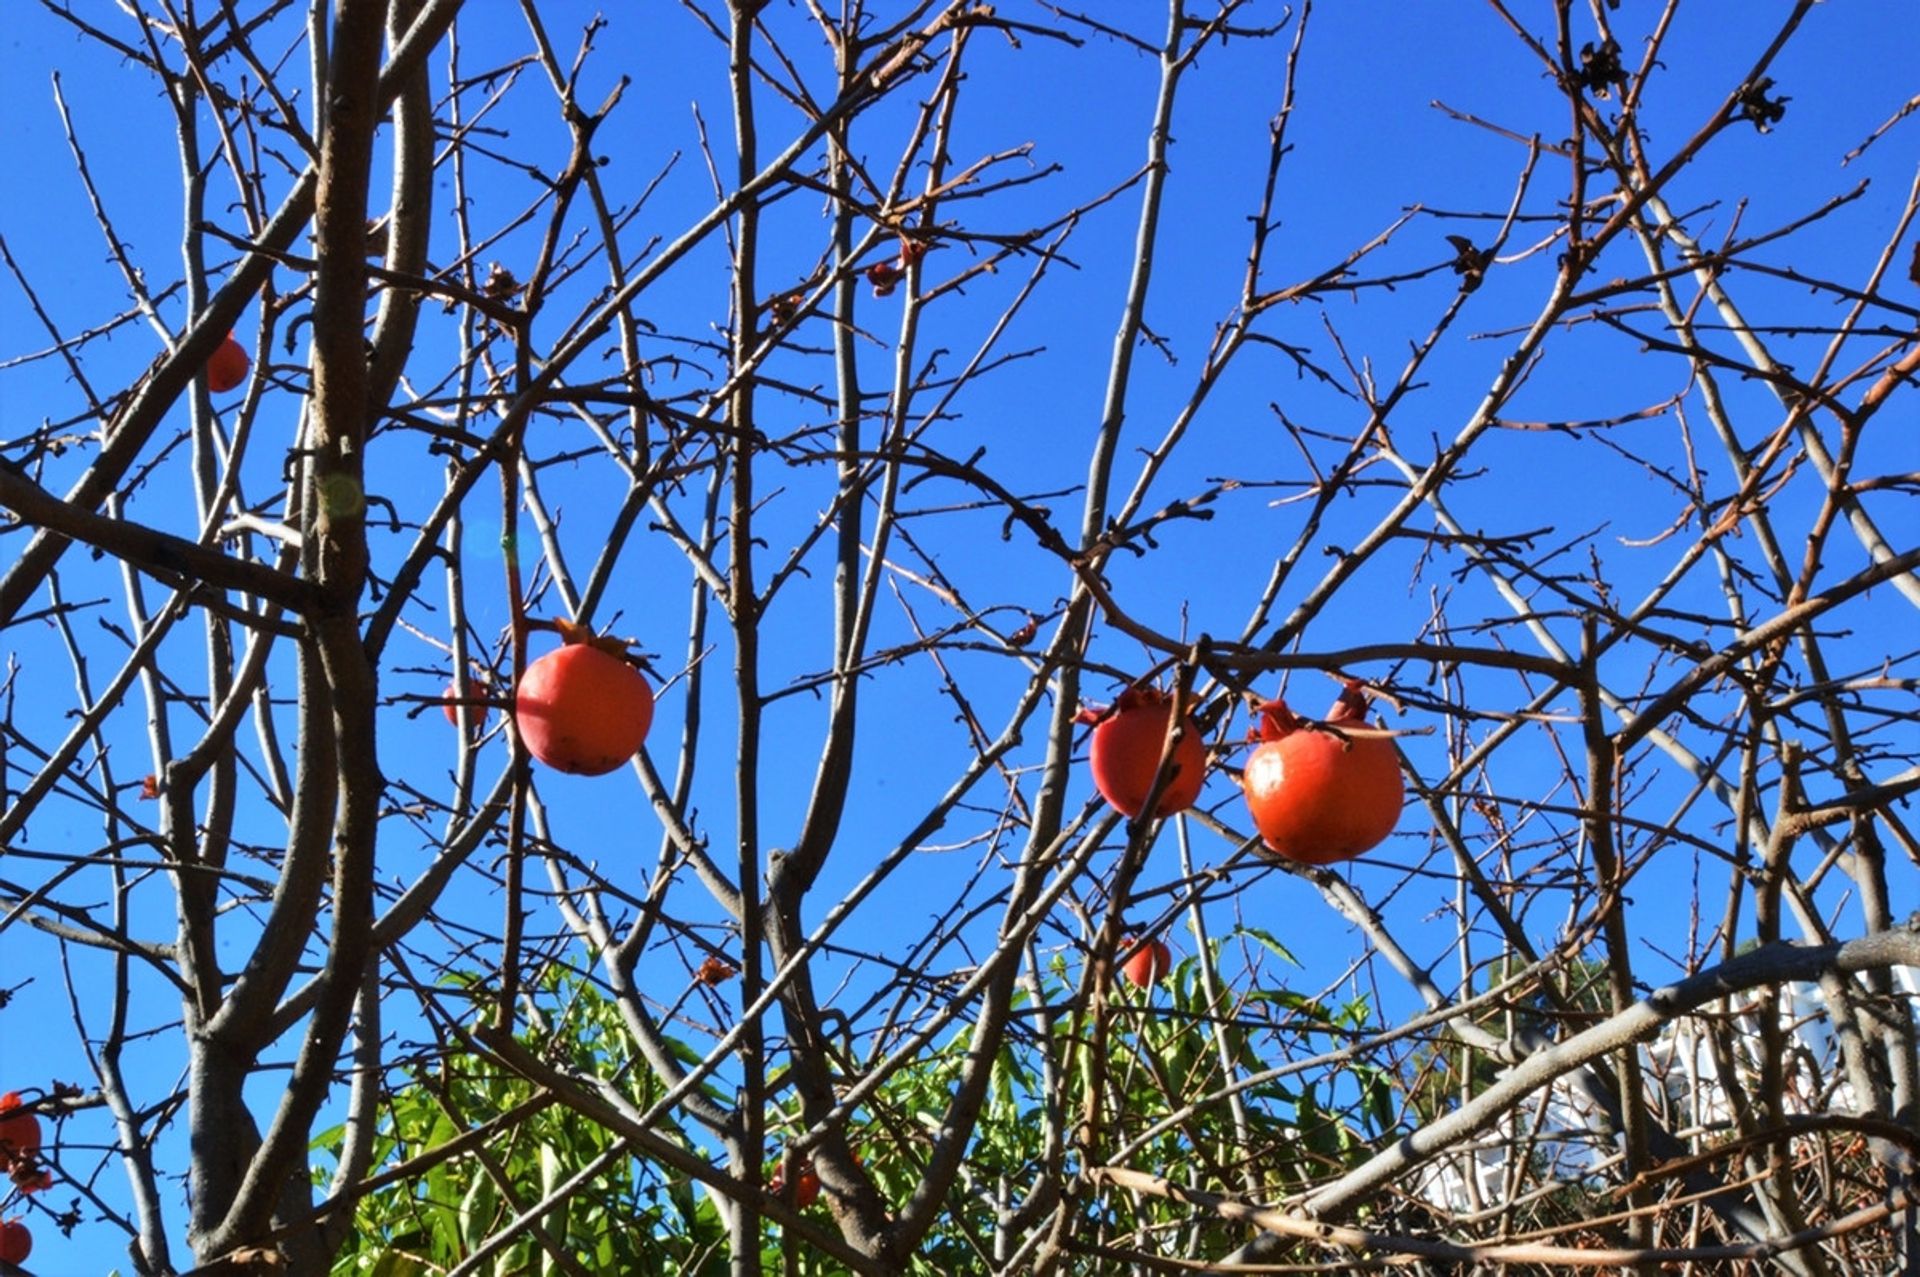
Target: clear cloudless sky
1369,142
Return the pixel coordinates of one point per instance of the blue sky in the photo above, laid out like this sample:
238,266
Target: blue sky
1368,143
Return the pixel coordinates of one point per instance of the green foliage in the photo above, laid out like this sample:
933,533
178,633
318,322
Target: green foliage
629,1216
1175,1093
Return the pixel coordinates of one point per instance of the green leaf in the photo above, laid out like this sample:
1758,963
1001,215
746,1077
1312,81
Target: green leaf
1268,942
478,1210
394,1263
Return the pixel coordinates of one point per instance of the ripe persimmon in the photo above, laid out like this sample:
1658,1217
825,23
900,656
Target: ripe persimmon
19,1132
806,1183
16,1242
468,689
583,710
1149,962
1125,753
1318,796
227,366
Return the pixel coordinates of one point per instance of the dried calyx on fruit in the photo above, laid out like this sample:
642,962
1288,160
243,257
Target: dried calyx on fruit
1323,792
1128,740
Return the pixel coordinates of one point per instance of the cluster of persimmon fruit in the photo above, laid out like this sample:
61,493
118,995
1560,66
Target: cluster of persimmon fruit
20,1160
1319,792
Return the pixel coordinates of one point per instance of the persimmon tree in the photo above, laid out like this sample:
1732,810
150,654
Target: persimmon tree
894,386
